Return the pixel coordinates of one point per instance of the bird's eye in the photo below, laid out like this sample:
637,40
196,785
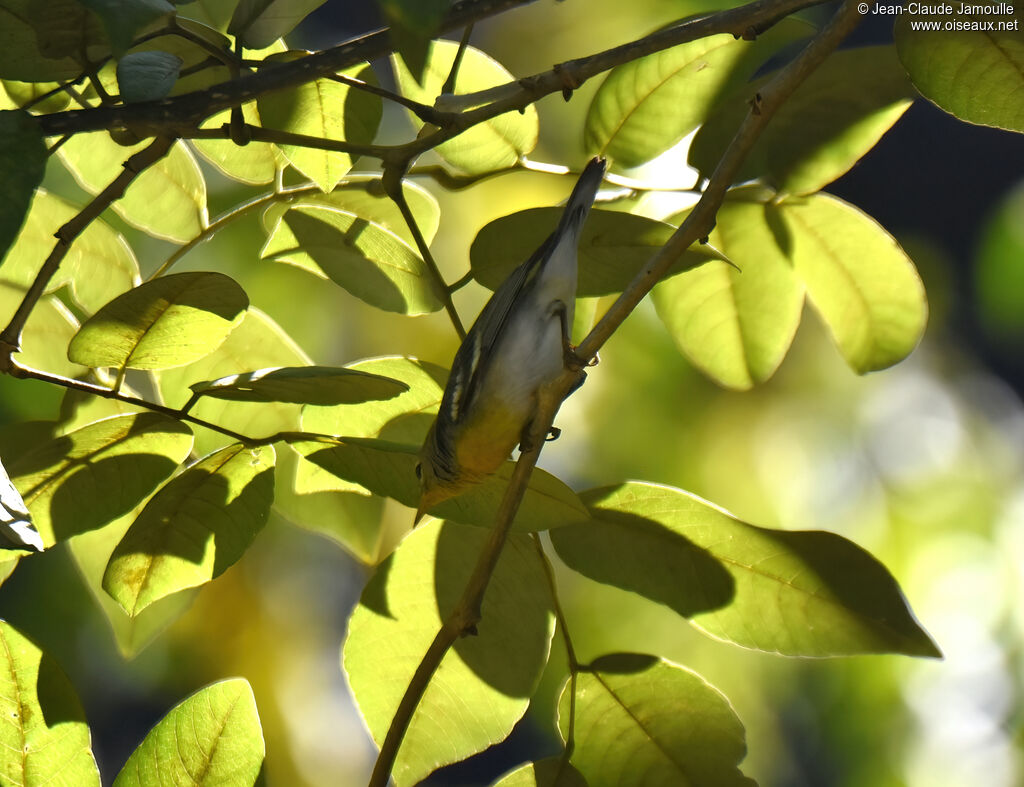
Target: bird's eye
419,471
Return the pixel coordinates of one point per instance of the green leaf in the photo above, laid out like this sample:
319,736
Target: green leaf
613,247
974,73
798,593
858,279
311,498
257,341
45,339
325,109
44,738
95,474
213,737
199,68
484,683
18,94
641,720
646,106
495,144
194,529
998,272
403,418
363,196
550,772
320,385
166,322
259,23
255,164
147,76
832,119
22,164
735,325
91,552
364,258
51,41
387,469
98,265
167,201
124,18
412,23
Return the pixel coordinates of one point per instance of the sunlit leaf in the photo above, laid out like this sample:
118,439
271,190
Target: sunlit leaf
91,552
326,109
403,418
388,469
735,325
259,23
15,94
166,322
641,720
255,164
95,474
364,258
215,13
551,772
484,683
44,738
318,385
858,279
22,164
363,196
799,593
51,41
147,76
495,144
974,72
193,529
646,106
168,200
313,499
833,118
213,737
258,341
45,339
613,247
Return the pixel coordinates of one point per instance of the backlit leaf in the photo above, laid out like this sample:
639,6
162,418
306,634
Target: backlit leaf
259,23
44,738
483,684
44,42
318,385
193,529
798,593
641,720
22,164
492,145
613,247
364,258
93,475
166,322
213,737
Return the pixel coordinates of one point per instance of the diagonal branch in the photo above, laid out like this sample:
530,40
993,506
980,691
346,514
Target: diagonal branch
699,223
10,338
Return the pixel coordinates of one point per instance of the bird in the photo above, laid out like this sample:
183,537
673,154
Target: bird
519,343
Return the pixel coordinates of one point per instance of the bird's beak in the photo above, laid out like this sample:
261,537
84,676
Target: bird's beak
419,514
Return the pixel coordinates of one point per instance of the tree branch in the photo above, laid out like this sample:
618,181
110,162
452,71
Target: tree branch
697,225
10,339
181,113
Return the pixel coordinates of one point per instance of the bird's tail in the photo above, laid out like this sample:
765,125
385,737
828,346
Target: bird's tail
578,205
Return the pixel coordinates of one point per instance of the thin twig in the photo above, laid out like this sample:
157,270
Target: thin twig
395,189
453,73
10,338
466,613
260,134
425,113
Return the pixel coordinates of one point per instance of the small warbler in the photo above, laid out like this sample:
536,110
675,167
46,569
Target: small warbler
518,344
